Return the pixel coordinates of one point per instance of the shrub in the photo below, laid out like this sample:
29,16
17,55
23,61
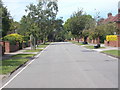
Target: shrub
13,38
111,38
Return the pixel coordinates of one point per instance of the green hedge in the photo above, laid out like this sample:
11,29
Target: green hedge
13,38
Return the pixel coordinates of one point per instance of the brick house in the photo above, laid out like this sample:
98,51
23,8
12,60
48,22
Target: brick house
111,19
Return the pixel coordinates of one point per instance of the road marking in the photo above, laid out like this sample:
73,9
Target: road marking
23,69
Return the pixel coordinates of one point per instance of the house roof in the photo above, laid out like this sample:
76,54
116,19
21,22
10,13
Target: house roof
109,19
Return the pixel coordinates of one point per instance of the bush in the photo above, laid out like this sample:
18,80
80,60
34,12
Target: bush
111,38
13,38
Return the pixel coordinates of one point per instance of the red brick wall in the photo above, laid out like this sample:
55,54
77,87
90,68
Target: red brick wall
7,47
11,48
96,41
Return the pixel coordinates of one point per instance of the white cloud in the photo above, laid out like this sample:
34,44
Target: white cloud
66,7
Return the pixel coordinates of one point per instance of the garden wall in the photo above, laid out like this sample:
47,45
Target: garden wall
96,41
11,48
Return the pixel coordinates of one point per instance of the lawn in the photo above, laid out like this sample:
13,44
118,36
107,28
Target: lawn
44,45
80,43
112,52
10,65
91,47
36,50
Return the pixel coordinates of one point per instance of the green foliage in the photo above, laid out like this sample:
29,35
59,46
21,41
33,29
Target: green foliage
92,47
40,21
82,25
101,31
26,38
112,52
10,65
36,50
13,38
5,19
14,27
79,22
57,34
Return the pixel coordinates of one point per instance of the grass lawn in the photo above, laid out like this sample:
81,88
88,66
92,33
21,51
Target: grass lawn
112,52
36,50
91,47
10,65
80,43
44,45
23,55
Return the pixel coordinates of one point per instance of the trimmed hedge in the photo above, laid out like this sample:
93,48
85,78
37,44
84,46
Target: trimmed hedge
111,38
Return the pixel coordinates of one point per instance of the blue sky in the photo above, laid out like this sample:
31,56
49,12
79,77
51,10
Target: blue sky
66,7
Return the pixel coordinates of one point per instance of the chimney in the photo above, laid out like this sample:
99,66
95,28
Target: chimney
109,15
119,7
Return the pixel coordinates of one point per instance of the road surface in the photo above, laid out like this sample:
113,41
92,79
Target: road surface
66,65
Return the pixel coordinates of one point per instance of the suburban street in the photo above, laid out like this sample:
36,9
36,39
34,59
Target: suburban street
66,65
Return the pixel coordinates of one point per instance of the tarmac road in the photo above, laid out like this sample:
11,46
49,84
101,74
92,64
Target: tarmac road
66,65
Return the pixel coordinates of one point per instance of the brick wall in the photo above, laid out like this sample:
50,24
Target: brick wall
96,41
7,47
11,48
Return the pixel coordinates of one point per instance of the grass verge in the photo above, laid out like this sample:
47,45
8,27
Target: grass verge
115,53
36,50
44,45
92,47
80,43
12,64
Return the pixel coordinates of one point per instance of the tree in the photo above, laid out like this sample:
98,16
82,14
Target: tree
102,30
14,27
57,34
79,22
40,20
5,19
85,34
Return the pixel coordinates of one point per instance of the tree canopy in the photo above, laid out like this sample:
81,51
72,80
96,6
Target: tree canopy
78,22
5,19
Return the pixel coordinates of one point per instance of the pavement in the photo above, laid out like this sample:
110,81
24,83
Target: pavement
105,49
9,55
66,65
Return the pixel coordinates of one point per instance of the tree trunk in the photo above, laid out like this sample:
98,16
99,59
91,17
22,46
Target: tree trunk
85,39
32,42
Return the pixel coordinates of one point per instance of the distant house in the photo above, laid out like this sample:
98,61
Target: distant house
108,20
